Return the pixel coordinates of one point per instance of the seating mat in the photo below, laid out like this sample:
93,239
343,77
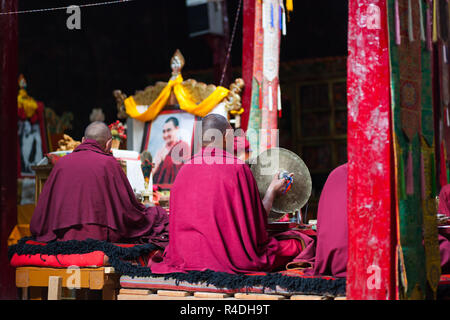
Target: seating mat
289,282
130,261
86,253
283,282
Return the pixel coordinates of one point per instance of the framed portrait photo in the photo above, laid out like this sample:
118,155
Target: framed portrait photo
170,138
32,142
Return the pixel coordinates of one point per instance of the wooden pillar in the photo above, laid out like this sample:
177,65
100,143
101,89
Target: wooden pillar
8,141
248,35
371,217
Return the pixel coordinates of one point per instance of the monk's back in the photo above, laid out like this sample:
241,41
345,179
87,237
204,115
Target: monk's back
86,187
217,220
85,167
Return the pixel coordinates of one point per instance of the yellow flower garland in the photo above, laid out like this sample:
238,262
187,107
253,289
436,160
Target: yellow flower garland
183,97
27,103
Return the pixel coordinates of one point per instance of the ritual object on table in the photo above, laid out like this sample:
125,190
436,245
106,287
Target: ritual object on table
56,126
298,189
54,156
147,166
67,143
442,219
196,98
97,115
118,134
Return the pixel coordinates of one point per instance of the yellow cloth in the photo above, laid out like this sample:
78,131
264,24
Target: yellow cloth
289,5
27,103
184,100
19,231
237,112
24,213
434,36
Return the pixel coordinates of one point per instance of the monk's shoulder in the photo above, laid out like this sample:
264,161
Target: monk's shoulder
445,190
96,159
242,170
109,160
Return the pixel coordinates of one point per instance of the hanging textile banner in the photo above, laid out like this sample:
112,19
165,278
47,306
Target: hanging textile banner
443,67
370,268
271,21
266,97
254,120
413,127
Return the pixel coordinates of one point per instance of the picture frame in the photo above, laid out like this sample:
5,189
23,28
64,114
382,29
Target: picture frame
171,138
32,142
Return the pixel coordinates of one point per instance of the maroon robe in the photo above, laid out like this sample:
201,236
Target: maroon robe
87,195
217,219
168,168
444,233
332,229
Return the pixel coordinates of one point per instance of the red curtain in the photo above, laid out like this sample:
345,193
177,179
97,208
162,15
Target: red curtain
8,141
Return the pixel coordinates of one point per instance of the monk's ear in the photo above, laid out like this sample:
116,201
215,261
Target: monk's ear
83,139
108,145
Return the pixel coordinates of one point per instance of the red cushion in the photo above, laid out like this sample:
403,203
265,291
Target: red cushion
92,259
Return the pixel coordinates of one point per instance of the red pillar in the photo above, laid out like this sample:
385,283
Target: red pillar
371,218
248,35
8,141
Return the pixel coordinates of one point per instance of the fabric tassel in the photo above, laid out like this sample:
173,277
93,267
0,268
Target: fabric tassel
279,102
270,98
398,40
444,53
433,175
423,181
402,269
429,27
260,96
409,174
289,7
447,116
264,15
422,27
443,177
448,174
272,16
435,26
280,17
410,23
283,19
401,183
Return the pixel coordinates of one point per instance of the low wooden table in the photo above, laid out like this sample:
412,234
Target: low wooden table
39,283
43,171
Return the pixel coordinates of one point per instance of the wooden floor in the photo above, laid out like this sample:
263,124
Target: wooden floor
39,283
146,294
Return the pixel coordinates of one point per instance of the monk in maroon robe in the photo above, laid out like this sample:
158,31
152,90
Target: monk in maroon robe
332,230
87,195
170,158
217,218
444,233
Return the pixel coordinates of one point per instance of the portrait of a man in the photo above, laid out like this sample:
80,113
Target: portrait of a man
30,146
170,142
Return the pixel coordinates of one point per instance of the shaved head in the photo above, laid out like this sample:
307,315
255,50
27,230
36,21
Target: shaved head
99,132
214,126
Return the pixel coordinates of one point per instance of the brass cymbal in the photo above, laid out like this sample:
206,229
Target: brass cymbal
274,160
